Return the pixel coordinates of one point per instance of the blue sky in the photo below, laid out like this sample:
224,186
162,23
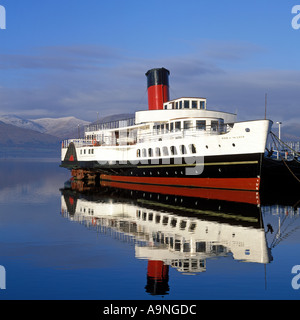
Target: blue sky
63,58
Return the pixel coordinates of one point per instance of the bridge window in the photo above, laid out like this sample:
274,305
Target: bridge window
186,104
194,104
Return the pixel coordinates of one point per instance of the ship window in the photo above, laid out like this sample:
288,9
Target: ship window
173,150
214,125
177,246
84,151
182,224
200,124
138,153
200,246
202,104
162,127
167,127
177,105
171,126
177,126
144,217
165,151
80,151
192,227
157,218
144,153
192,148
186,104
180,104
150,152
173,223
150,216
183,149
194,104
188,124
165,221
186,247
157,152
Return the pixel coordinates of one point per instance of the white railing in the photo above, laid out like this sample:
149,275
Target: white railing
110,125
78,143
150,136
183,133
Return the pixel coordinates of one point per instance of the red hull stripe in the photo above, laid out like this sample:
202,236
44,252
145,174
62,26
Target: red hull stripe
205,193
216,183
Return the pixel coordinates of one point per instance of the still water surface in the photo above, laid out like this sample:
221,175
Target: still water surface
61,240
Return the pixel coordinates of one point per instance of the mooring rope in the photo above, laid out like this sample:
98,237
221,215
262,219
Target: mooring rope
286,145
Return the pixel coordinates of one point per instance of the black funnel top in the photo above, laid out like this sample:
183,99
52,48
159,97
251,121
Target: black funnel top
157,76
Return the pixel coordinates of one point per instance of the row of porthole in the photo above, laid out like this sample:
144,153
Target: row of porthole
220,146
165,151
167,173
173,150
165,220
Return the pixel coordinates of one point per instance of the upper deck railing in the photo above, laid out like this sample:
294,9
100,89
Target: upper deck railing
123,139
115,124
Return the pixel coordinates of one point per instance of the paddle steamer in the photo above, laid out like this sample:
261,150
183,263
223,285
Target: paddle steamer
178,143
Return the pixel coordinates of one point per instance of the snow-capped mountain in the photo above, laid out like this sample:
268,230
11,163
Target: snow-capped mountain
21,122
66,127
59,127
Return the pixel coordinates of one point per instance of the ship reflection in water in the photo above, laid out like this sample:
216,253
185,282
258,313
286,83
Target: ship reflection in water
174,228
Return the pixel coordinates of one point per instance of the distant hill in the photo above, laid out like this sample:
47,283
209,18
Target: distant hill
20,142
20,137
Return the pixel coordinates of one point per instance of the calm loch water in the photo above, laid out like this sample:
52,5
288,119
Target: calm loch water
65,240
